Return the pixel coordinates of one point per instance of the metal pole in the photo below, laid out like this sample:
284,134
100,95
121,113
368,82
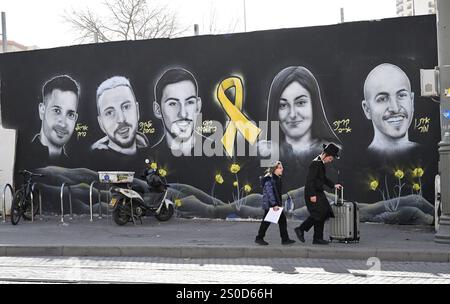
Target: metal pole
32,204
196,29
62,202
342,15
245,17
33,188
70,203
443,41
100,214
96,37
91,188
132,214
40,205
108,200
4,37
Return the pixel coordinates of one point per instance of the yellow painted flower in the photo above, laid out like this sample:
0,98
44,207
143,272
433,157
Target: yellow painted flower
219,179
162,172
247,188
373,185
235,168
235,184
418,172
178,202
416,187
399,174
154,166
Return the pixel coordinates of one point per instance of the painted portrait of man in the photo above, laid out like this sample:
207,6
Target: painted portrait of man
118,118
177,103
58,113
389,104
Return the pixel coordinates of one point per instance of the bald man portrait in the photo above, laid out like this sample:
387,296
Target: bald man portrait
389,104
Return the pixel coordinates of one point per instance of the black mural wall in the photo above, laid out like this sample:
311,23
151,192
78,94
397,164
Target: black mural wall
95,105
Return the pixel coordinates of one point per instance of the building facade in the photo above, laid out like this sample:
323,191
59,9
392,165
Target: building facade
415,7
13,46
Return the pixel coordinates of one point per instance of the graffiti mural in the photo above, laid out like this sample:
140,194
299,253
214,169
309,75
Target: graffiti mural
210,112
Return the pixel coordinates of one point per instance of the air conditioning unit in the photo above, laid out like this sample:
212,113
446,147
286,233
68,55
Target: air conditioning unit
429,82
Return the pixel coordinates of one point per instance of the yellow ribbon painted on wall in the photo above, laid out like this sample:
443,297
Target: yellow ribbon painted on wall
238,121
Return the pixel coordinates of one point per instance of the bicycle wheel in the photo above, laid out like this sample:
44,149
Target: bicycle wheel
17,207
27,214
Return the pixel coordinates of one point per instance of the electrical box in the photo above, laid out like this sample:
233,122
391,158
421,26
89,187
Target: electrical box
429,82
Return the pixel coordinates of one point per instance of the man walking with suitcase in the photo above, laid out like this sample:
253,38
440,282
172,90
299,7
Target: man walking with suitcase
315,198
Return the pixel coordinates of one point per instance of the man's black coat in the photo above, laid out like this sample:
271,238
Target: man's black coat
315,181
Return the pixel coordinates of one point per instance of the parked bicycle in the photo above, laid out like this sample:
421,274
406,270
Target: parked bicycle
21,204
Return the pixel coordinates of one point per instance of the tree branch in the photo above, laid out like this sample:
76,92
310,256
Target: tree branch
124,20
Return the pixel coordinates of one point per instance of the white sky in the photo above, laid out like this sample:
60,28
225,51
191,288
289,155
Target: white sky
32,22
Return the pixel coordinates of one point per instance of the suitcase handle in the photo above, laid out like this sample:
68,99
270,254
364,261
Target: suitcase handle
341,201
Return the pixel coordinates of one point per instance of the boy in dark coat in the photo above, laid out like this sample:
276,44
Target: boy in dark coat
271,184
315,198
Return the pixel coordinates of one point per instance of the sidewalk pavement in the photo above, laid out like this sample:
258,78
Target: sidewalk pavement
205,238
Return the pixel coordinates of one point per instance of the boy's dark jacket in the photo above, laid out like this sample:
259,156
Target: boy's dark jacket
271,185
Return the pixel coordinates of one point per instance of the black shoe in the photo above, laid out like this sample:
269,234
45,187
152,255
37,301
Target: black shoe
320,242
287,242
261,242
300,234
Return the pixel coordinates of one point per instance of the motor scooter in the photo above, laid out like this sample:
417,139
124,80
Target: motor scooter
130,205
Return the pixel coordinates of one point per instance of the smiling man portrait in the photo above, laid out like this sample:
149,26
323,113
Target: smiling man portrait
389,104
58,112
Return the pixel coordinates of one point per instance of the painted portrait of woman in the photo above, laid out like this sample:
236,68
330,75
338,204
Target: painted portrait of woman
296,103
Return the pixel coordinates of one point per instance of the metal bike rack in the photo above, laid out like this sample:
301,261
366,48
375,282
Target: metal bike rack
4,199
108,199
32,202
91,188
62,201
100,212
132,214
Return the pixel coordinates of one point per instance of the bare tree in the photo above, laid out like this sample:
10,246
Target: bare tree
124,20
215,25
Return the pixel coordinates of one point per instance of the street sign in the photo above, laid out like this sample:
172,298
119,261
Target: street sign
446,114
